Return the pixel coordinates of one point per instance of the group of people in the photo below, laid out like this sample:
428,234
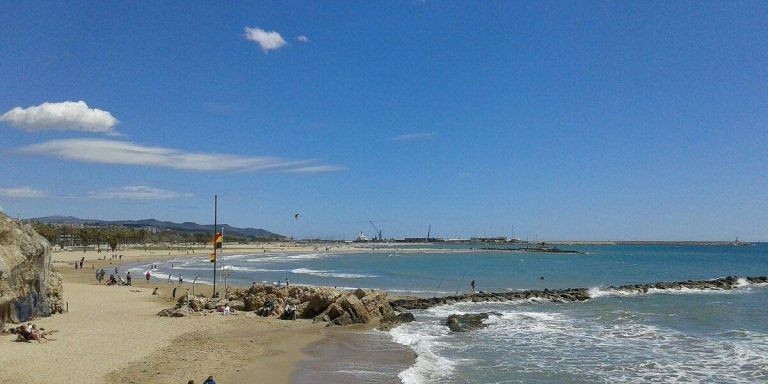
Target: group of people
79,263
28,333
114,278
269,308
279,283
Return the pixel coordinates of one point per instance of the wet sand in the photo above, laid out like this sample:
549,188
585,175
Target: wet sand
353,355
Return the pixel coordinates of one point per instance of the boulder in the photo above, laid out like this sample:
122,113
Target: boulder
319,300
345,319
390,322
355,308
28,287
237,305
468,322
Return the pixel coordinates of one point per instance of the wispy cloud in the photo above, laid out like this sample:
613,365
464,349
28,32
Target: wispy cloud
303,39
127,153
64,116
414,137
268,40
317,169
22,193
138,192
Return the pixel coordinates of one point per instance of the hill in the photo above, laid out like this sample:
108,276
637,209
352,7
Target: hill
161,226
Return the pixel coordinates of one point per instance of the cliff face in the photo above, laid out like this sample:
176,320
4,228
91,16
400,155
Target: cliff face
28,287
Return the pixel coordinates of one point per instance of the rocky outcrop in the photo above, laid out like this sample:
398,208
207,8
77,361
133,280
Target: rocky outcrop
333,306
574,294
468,322
28,287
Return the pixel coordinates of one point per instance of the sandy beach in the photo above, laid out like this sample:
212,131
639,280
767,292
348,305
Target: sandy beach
112,334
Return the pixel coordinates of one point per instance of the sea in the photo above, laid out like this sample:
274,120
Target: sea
664,336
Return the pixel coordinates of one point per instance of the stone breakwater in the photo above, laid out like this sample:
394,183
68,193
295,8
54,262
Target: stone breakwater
328,305
576,294
28,287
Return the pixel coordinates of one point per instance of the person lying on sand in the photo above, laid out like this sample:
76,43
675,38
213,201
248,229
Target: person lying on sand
27,335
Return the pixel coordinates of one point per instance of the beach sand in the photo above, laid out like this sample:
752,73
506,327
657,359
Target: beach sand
112,335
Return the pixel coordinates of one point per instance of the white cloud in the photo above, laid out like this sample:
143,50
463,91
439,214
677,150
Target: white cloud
64,116
22,193
126,153
268,40
303,39
138,192
414,137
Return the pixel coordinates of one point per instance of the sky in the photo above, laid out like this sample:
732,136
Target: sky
539,120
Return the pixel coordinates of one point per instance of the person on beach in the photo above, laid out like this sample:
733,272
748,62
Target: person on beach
27,334
181,280
473,285
286,283
290,312
209,380
268,309
128,277
75,264
81,264
173,294
147,275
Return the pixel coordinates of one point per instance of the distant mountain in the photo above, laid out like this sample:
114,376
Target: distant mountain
161,225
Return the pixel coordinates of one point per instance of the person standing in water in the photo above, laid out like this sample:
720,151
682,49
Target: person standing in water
472,284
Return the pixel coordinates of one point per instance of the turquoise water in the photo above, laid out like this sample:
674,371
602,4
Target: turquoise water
667,336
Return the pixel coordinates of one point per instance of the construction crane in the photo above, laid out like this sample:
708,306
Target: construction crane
377,234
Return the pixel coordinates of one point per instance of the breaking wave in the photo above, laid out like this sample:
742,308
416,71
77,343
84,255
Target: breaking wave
324,273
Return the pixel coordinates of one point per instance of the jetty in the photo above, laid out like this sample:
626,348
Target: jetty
575,294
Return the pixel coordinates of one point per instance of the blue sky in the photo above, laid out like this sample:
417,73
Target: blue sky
568,120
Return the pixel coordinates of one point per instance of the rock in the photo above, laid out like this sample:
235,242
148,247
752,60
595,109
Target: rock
355,308
334,306
176,312
468,322
28,288
390,322
237,305
334,311
319,301
345,319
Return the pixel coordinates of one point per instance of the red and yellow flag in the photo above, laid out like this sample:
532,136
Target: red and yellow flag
218,240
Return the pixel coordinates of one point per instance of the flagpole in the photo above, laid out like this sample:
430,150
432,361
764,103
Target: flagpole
215,233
